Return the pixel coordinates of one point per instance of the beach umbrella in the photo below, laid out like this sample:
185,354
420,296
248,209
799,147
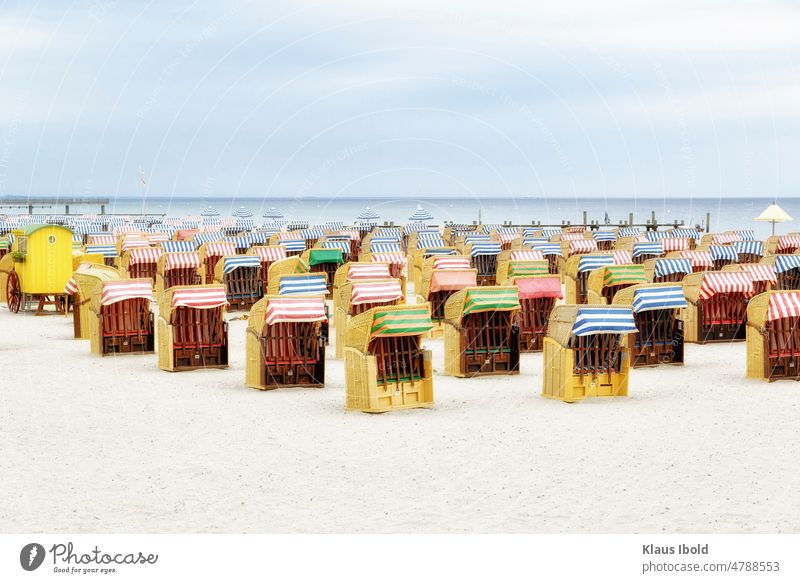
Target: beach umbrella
242,213
209,211
367,215
273,213
774,214
420,215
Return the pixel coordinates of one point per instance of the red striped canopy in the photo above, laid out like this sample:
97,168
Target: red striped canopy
760,272
788,242
507,237
527,255
158,237
393,258
573,236
270,254
582,246
306,309
144,255
372,292
182,259
354,235
220,249
539,287
126,289
783,305
134,244
574,229
451,263
725,282
675,244
622,257
361,271
724,238
72,287
102,240
202,298
699,258
289,236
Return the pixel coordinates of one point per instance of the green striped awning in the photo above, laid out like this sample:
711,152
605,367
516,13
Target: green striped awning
5,244
527,268
409,322
624,274
484,300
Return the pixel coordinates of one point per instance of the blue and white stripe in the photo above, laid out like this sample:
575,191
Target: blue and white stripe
629,231
239,242
605,320
293,244
258,238
178,246
439,251
311,284
589,262
670,266
106,250
232,263
474,238
658,298
604,236
654,248
314,233
786,262
486,248
551,232
384,247
750,247
343,246
201,238
723,252
427,243
547,248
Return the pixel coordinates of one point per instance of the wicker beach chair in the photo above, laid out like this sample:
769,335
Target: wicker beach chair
85,282
359,271
481,336
286,343
386,367
192,332
773,336
763,275
140,263
241,276
749,251
584,354
716,306
657,311
441,276
787,270
325,261
483,256
663,270
537,298
644,250
604,282
783,244
358,296
120,319
210,253
520,263
177,268
292,265
268,255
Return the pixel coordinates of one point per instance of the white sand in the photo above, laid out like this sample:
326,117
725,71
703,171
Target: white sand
90,444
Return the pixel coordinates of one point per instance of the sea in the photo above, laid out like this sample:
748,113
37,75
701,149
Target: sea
723,213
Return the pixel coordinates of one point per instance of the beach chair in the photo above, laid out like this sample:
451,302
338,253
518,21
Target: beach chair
210,253
192,332
441,276
386,366
606,240
701,259
292,265
268,254
574,248
356,297
5,246
642,251
663,270
285,343
345,244
576,274
723,255
749,251
584,354
85,282
395,259
787,270
177,268
657,309
140,263
416,261
481,336
537,297
241,276
773,336
359,271
109,253
325,261
520,263
783,244
763,275
716,306
120,320
605,281
483,256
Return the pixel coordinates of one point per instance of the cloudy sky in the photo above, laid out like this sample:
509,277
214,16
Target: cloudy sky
571,98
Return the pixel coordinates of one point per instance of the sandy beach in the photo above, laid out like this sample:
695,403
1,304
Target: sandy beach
90,444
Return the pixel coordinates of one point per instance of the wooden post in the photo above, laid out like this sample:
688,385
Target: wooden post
708,222
585,215
653,219
630,219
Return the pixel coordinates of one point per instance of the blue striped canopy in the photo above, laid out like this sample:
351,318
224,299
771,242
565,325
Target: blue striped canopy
551,232
314,233
235,262
367,214
427,243
654,248
259,238
683,233
384,247
439,251
629,231
385,239
178,246
343,246
414,227
670,266
786,262
77,238
656,235
658,298
508,230
307,284
604,320
106,250
389,232
297,225
240,242
293,244
589,262
201,238
473,237
723,252
746,235
547,248
488,228
529,231
754,247
531,239
604,236
487,248
334,225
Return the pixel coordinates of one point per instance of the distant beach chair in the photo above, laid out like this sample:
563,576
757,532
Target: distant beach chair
657,311
268,254
480,332
286,343
177,268
787,270
440,278
484,259
604,282
325,261
85,283
359,271
241,276
716,305
192,332
663,270
140,263
783,244
386,367
584,354
356,297
763,275
120,319
520,263
537,297
210,253
579,266
773,336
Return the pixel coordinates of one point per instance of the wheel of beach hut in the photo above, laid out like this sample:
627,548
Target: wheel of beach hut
13,292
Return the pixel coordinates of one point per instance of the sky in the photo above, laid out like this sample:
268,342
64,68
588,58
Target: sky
696,98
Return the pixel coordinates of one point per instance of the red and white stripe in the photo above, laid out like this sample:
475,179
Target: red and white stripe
675,244
582,246
294,310
723,238
362,271
527,255
289,236
451,263
394,258
788,242
572,236
182,259
507,237
699,258
760,272
354,235
72,287
202,298
158,237
126,289
220,249
128,244
144,255
102,240
574,229
622,257
783,305
371,292
126,229
725,282
270,254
